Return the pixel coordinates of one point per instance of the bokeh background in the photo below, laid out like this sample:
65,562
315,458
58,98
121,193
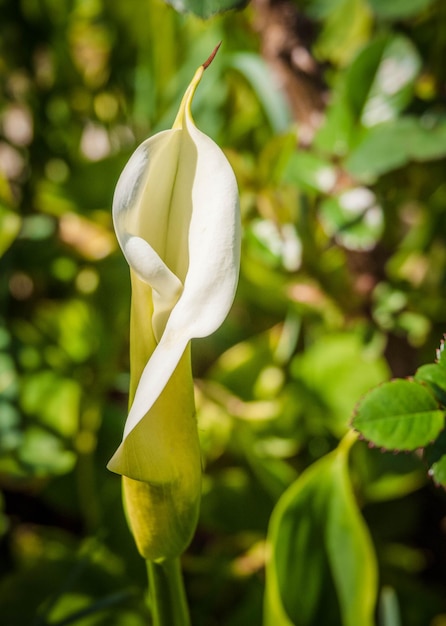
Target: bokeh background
333,116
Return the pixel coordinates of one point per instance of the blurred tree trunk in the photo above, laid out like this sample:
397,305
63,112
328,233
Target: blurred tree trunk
286,38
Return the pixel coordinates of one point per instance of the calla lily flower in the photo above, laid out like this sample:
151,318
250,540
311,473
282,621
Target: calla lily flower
176,216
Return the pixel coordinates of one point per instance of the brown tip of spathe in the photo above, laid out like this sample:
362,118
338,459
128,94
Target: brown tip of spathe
207,63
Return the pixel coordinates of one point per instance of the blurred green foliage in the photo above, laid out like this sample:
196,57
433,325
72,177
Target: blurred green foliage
342,286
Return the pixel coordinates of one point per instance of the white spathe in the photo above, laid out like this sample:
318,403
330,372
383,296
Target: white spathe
176,216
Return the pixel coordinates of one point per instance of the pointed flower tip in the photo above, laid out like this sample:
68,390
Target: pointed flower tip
207,63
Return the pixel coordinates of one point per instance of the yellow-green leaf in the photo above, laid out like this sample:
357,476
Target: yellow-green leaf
322,566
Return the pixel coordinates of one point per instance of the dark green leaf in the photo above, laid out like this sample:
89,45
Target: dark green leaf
387,476
3,518
399,415
273,474
435,456
98,606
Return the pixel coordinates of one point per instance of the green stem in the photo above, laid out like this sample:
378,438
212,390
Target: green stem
167,597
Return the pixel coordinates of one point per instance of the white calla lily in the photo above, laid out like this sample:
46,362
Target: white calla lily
176,216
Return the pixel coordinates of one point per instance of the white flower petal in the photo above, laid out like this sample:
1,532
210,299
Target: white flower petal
148,266
211,280
176,214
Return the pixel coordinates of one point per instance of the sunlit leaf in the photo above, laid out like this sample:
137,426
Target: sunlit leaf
354,218
206,8
376,87
337,129
399,415
261,79
435,457
434,376
338,370
391,145
310,171
380,81
438,471
9,227
277,245
42,454
54,400
340,38
8,377
321,554
441,353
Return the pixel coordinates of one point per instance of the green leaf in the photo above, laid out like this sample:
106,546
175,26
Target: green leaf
322,560
42,454
9,227
435,456
380,81
206,8
99,605
388,608
399,415
435,377
377,87
340,38
336,132
319,10
398,9
54,400
391,145
338,370
276,245
261,79
438,471
354,218
273,474
310,171
386,476
441,353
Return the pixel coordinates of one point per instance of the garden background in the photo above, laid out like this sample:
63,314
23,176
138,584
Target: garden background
332,114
